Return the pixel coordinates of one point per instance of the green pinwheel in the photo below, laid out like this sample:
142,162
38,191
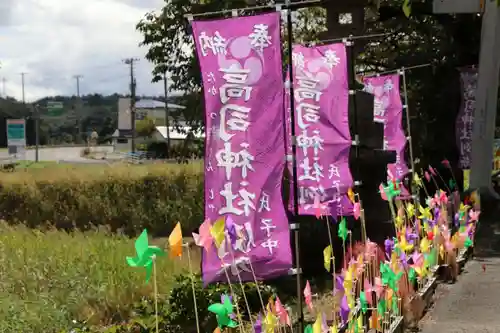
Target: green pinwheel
342,232
144,254
412,275
363,302
381,307
395,306
389,278
223,312
468,243
392,190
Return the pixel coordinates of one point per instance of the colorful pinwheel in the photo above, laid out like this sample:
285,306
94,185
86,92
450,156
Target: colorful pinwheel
145,254
223,312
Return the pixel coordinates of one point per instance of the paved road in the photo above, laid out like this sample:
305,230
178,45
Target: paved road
66,154
473,303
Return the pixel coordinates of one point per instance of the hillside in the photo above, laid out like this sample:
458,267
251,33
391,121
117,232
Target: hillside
94,112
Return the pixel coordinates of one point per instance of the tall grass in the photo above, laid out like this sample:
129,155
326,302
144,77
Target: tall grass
48,279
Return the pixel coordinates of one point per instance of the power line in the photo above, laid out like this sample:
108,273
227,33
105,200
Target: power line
131,62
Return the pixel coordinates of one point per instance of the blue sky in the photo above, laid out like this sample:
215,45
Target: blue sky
53,40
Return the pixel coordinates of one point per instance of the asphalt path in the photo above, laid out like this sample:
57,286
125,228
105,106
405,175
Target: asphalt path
473,303
61,154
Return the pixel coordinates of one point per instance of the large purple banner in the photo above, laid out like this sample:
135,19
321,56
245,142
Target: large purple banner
240,60
388,110
322,127
465,119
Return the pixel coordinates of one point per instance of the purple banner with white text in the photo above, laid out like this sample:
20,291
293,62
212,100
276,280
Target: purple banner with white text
240,60
388,110
465,119
321,99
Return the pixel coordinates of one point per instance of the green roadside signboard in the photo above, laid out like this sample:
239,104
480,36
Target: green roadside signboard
54,108
16,132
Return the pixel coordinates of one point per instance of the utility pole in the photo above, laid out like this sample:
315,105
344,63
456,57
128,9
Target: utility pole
22,83
130,62
167,113
78,110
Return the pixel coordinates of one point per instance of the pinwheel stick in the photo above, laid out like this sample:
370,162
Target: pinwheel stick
155,286
192,287
241,283
238,314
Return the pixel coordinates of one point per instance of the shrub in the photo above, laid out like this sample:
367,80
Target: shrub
177,313
126,198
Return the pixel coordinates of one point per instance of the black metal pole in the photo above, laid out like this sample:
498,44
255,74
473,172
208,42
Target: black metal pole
353,106
295,226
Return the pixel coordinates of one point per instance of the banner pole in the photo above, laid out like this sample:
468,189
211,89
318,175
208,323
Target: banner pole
409,140
295,226
353,107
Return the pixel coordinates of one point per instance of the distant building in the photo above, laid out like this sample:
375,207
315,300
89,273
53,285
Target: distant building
143,108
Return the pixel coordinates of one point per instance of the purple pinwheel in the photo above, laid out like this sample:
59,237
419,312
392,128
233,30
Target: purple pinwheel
344,309
231,230
339,284
389,246
257,326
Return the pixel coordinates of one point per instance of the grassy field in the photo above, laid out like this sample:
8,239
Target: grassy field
48,279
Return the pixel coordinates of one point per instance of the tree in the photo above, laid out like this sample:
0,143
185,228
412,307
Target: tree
445,41
145,127
167,35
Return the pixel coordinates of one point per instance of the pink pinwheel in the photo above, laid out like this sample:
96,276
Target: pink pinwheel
283,316
204,238
443,198
319,208
370,249
446,163
357,210
418,259
368,291
474,215
308,296
432,171
434,202
427,176
382,192
379,287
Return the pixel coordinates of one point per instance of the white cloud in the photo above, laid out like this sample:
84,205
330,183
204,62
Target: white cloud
52,40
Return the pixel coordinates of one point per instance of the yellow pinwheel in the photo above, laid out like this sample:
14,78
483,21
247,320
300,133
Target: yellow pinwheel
404,245
425,245
425,213
417,180
410,210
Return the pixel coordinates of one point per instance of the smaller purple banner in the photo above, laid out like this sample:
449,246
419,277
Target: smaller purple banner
465,119
322,127
388,110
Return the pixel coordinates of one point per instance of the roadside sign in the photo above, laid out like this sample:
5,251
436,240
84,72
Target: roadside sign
55,108
16,132
458,6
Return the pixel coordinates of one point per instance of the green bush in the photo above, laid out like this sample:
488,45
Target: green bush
177,312
126,198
